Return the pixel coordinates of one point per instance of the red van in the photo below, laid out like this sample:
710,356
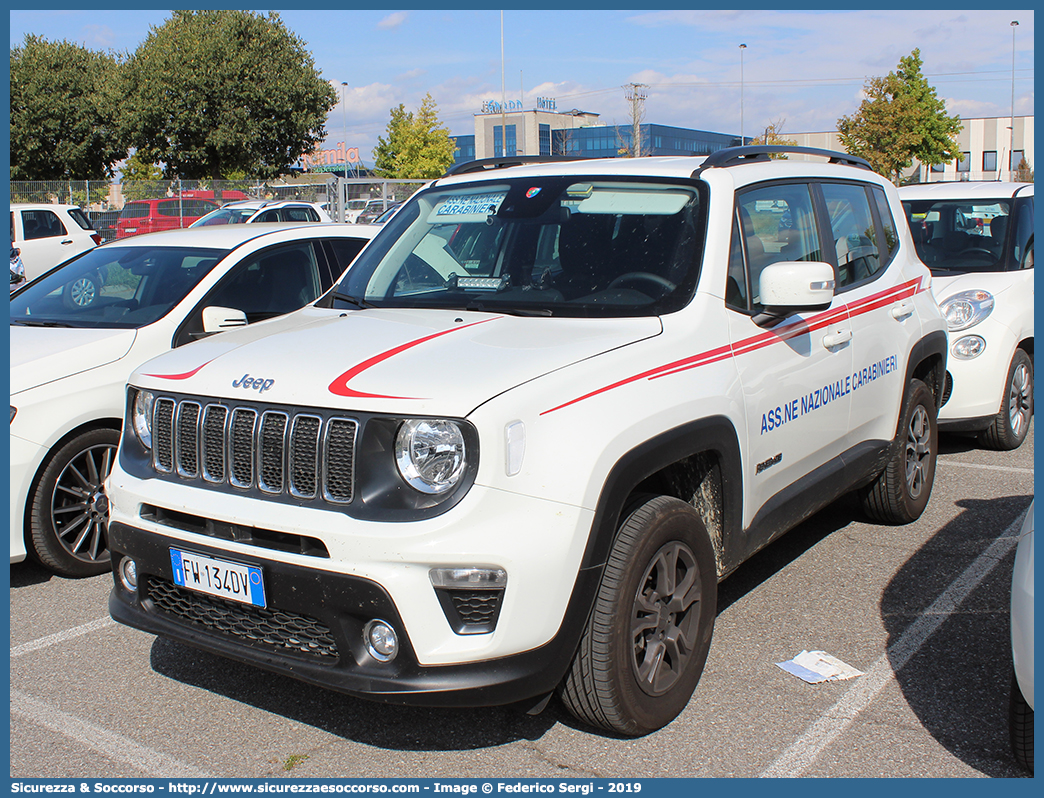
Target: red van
166,213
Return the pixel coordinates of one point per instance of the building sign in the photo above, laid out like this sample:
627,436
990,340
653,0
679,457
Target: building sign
321,160
496,107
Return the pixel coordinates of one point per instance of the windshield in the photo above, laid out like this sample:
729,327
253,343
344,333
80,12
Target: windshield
225,216
961,235
114,286
543,246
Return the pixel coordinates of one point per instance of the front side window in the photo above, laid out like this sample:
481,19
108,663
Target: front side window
42,224
121,287
270,283
853,233
961,235
777,223
135,210
545,246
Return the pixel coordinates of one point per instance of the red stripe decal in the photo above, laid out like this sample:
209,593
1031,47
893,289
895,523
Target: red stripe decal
760,341
340,385
184,376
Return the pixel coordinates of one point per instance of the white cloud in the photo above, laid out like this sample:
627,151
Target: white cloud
393,20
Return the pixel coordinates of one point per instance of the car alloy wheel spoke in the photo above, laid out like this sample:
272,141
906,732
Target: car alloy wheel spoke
1019,401
918,451
666,603
80,528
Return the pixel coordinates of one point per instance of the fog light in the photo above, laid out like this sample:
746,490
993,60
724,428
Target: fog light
128,571
381,640
968,347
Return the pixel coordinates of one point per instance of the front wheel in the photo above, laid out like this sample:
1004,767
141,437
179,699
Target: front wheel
1020,725
649,634
1011,424
900,492
69,518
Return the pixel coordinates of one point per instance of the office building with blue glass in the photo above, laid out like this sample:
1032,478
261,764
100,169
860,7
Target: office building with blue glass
541,131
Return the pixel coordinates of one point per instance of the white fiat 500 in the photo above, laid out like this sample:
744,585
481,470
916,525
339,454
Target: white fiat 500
79,331
548,408
977,238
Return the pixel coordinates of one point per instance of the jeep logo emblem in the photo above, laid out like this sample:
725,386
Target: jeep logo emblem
258,384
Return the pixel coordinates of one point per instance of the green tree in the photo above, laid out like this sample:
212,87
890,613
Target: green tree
215,93
417,147
901,119
65,103
773,137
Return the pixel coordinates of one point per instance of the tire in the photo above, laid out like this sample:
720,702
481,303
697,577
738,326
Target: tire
648,636
82,292
68,508
1020,724
1011,424
900,492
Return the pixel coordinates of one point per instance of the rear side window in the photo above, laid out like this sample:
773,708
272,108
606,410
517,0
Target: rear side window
300,215
853,233
135,210
41,224
80,218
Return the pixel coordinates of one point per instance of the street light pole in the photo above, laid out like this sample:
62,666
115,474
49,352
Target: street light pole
742,47
1011,147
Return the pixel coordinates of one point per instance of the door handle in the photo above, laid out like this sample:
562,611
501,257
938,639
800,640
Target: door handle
901,310
837,338
67,241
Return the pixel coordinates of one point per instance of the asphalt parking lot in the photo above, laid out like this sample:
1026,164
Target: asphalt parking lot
921,609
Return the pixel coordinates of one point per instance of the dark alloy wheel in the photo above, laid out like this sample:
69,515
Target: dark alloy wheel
69,510
1011,423
900,492
648,637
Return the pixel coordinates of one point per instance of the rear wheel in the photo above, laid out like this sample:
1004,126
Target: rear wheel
1011,424
647,639
69,510
900,492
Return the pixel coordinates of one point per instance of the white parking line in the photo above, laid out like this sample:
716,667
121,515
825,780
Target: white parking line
116,746
804,751
980,467
59,637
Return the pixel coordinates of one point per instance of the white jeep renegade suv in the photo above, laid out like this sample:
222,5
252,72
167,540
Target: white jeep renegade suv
517,447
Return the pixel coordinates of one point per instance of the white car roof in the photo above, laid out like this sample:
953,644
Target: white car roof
48,206
229,236
965,190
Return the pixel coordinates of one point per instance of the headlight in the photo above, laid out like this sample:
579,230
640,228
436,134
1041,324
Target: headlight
430,454
967,309
141,417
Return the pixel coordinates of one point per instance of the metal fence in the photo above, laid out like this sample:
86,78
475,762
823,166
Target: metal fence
102,201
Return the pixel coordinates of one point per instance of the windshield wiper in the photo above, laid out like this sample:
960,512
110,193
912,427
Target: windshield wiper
352,300
507,311
33,323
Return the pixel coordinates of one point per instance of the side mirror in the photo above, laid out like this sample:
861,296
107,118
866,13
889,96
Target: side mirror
792,286
217,319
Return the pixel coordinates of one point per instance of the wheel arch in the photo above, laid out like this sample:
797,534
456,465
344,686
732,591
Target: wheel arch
927,363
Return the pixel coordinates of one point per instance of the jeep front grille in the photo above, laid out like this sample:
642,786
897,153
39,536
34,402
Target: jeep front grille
279,452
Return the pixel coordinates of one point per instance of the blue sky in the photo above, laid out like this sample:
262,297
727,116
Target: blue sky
805,67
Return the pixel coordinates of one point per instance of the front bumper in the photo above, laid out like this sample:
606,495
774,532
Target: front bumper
333,606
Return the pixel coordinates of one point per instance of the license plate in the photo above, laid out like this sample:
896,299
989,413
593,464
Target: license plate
227,580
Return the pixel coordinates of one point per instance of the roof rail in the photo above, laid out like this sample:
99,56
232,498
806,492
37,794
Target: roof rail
734,156
503,162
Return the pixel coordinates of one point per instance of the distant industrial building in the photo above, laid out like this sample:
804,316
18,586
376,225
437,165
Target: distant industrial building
546,131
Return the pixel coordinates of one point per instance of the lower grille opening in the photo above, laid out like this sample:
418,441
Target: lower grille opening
286,632
264,538
471,612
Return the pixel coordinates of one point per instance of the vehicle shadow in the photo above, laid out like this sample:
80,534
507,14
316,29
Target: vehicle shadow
958,683
27,572
403,728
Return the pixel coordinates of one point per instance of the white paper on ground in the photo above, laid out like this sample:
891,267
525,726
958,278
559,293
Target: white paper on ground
818,666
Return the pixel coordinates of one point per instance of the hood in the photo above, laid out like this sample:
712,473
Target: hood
409,361
946,286
44,354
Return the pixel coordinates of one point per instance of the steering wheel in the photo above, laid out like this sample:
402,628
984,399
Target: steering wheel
977,251
631,277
